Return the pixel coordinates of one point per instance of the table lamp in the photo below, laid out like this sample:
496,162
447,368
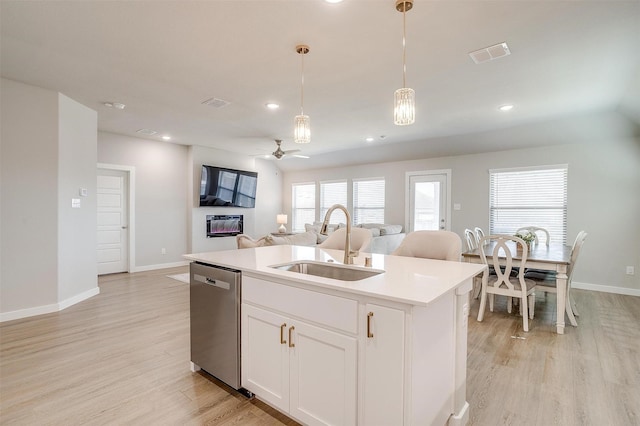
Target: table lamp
281,219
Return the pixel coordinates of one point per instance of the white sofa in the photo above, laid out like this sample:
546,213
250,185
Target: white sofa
385,238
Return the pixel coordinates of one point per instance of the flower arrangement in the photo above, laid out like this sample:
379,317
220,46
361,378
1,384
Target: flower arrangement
528,237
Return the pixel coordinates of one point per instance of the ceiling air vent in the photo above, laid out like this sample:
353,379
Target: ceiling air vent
490,53
216,102
147,132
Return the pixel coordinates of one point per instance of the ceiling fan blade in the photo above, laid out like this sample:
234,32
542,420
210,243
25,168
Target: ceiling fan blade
291,151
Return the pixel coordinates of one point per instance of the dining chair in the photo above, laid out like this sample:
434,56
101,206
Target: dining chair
360,239
440,245
535,230
546,280
470,237
502,283
479,234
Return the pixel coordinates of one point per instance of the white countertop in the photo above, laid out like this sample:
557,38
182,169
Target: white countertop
406,279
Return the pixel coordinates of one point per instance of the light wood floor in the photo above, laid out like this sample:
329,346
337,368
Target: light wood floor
122,357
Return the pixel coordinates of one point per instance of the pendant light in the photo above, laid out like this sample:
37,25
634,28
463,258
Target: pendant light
302,126
404,111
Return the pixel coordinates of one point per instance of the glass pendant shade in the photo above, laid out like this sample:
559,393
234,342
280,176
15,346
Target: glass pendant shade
302,129
404,111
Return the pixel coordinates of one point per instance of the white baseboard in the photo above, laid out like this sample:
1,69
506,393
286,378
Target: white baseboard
78,298
160,266
47,309
606,288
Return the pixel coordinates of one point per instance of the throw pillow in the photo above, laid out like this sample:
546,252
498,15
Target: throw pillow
245,241
390,229
303,239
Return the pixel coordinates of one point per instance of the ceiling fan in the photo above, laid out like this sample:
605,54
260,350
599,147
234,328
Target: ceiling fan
279,153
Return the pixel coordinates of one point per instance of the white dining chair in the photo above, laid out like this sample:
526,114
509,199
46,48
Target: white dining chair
470,237
546,280
536,231
440,245
502,283
479,234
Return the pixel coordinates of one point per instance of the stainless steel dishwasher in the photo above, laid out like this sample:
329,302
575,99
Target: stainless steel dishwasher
215,322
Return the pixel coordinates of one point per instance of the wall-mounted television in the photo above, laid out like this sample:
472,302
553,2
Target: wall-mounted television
222,187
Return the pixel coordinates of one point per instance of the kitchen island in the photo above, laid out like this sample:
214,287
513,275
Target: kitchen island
389,349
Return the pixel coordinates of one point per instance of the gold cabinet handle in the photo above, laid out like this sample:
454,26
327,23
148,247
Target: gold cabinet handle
369,333
282,341
291,344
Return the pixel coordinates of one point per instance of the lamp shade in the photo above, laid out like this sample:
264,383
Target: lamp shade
302,129
404,111
281,219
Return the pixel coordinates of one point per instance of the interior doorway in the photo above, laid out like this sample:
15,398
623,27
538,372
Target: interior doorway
115,231
428,195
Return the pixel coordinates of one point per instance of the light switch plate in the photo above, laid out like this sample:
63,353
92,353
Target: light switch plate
457,206
75,203
83,192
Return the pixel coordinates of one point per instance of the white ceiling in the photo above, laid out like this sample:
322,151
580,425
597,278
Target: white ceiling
573,73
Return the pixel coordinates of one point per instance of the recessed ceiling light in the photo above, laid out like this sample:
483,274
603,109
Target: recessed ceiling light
166,138
369,139
272,105
507,107
333,1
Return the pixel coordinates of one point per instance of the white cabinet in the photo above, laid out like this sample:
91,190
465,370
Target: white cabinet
303,369
327,359
383,372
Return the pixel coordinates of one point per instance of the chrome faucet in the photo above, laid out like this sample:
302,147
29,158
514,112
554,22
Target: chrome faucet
348,253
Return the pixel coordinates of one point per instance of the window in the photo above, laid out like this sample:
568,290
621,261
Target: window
303,203
529,197
368,201
333,193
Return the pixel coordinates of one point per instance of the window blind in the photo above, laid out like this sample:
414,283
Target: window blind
303,203
529,197
368,201
331,193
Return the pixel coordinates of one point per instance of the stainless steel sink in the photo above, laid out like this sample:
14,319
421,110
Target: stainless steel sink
327,270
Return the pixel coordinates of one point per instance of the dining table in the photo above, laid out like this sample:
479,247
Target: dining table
554,257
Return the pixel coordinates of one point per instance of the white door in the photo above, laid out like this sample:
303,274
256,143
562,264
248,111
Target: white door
383,372
323,376
428,201
113,234
265,355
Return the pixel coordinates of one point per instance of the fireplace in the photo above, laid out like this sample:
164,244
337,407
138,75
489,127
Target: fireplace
224,225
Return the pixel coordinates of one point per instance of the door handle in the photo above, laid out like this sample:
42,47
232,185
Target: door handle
124,227
282,327
291,344
369,333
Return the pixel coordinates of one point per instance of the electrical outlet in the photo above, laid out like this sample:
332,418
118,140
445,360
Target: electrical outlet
631,270
163,251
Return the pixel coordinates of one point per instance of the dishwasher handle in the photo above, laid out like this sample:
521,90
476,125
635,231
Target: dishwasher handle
212,282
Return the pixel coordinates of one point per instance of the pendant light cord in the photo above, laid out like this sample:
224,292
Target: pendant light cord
302,87
404,46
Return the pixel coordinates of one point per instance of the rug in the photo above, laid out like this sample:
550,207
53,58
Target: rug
181,277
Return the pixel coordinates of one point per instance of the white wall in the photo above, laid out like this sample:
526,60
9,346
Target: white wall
29,196
604,183
48,251
161,195
257,221
77,153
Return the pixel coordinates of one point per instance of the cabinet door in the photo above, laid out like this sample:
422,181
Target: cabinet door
383,372
265,359
323,376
